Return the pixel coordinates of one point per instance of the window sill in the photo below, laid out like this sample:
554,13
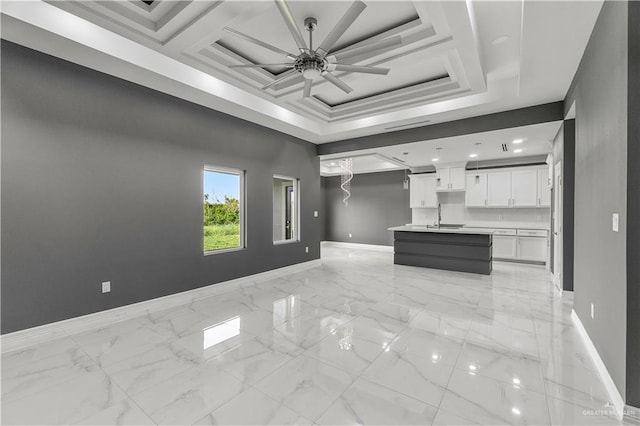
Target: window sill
229,250
282,242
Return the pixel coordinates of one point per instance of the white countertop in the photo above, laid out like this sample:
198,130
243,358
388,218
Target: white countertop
501,225
423,228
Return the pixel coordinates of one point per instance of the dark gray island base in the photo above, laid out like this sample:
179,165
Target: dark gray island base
459,250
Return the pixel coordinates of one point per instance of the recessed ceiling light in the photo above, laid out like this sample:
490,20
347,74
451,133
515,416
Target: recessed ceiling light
473,155
500,40
332,164
516,141
434,159
515,411
517,151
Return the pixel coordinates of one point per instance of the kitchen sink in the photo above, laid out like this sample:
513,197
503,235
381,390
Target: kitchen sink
447,226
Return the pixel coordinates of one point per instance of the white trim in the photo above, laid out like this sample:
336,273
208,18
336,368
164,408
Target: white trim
23,338
373,247
614,394
631,415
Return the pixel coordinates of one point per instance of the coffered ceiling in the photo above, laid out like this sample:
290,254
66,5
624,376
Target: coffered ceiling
457,58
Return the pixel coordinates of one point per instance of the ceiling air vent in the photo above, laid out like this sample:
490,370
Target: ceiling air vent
505,147
401,126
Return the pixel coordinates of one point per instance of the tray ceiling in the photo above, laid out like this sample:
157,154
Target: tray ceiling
456,57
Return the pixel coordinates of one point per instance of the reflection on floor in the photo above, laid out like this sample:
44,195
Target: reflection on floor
356,341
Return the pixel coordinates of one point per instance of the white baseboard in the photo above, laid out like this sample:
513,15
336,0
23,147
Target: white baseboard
631,415
373,247
23,338
614,394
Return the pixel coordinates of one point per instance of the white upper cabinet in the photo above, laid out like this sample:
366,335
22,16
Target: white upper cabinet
450,179
524,188
423,191
544,190
476,190
499,189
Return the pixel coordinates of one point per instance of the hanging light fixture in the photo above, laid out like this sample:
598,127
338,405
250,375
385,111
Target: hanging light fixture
477,144
346,175
437,157
405,182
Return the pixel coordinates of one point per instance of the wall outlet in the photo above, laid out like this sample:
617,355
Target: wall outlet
500,217
615,222
106,287
349,235
593,311
315,213
306,249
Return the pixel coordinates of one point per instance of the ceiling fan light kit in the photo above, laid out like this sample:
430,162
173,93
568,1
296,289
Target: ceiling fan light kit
313,64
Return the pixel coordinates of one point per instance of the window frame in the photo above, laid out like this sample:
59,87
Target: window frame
241,199
297,228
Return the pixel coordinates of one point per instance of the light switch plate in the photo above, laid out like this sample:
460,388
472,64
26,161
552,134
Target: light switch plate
615,221
106,287
315,213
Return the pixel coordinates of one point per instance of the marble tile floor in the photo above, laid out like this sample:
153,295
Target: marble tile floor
355,341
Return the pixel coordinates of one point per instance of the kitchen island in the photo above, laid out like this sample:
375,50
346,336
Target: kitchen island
459,249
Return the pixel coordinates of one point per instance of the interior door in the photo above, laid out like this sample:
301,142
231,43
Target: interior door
557,225
288,212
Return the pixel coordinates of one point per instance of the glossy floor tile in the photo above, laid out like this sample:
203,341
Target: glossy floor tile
355,341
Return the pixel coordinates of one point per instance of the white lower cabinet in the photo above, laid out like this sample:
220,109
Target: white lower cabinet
504,246
532,245
522,244
532,248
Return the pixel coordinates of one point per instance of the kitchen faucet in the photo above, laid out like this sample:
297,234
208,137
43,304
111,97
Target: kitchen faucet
439,215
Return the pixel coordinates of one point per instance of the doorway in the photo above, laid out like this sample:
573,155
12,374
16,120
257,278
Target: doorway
557,226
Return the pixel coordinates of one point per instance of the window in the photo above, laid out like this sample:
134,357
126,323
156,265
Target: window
223,209
286,221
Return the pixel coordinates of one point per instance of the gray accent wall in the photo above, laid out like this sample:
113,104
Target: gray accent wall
599,90
377,202
102,180
544,113
564,148
633,209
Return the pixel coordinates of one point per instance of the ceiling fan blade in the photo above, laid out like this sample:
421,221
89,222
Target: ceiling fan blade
358,68
343,24
285,75
382,44
290,82
258,42
337,82
261,65
306,93
291,24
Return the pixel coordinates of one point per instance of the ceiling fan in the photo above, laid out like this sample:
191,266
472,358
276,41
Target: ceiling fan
312,63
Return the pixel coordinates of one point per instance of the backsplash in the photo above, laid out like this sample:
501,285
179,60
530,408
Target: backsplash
454,211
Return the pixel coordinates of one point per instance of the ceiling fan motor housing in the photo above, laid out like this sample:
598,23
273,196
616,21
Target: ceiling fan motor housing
310,66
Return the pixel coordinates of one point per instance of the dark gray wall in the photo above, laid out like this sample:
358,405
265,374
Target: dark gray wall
600,92
502,120
564,149
568,203
102,180
377,202
633,209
